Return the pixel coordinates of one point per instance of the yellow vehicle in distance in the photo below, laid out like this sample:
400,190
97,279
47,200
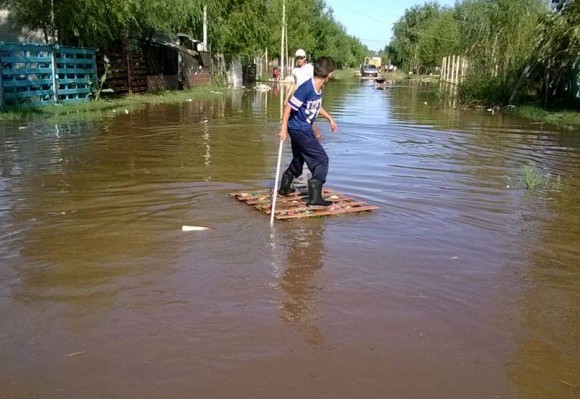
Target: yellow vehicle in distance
376,61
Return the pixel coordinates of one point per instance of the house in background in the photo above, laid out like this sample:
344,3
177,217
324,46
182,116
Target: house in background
176,62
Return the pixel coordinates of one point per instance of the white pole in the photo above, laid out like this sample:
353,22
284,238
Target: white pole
286,44
53,65
275,191
204,28
282,42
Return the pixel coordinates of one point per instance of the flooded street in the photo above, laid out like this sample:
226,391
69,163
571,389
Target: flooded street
464,284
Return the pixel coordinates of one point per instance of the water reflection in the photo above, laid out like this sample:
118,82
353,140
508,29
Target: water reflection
299,283
456,277
547,360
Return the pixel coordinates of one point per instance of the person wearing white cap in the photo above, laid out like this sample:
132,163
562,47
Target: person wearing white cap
302,72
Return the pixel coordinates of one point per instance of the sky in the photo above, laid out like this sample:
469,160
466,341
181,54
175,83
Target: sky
372,20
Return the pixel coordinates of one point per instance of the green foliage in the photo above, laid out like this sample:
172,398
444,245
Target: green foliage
500,38
533,177
96,23
235,27
422,36
484,87
438,39
498,35
98,85
556,49
563,119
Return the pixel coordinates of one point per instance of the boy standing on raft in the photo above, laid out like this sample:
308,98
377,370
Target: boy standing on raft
299,115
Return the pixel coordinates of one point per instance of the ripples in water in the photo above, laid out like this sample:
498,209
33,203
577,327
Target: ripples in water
462,275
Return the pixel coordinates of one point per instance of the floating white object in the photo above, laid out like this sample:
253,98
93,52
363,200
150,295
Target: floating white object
263,87
193,228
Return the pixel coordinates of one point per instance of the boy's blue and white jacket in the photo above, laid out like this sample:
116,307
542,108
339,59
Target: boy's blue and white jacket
305,104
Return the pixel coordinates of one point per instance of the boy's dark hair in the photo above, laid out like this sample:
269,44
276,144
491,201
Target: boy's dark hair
323,67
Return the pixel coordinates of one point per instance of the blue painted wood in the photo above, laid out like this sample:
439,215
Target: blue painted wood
27,74
65,71
27,83
69,81
60,62
24,47
26,71
74,50
26,60
27,94
73,91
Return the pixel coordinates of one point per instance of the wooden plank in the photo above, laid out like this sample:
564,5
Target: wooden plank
75,50
26,71
295,205
24,47
27,83
74,61
72,71
301,202
26,60
72,81
245,195
28,94
330,213
305,207
73,91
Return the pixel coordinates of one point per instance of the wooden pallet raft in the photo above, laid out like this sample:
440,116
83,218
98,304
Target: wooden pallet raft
294,205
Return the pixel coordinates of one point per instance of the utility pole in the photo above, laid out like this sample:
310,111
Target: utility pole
53,28
204,28
282,42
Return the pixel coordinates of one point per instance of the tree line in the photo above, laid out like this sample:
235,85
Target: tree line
235,27
517,49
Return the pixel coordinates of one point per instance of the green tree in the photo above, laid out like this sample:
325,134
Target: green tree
408,32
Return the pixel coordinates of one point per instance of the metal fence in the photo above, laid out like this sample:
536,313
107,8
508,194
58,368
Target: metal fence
39,74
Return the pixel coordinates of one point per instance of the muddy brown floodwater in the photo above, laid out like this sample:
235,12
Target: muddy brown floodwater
464,284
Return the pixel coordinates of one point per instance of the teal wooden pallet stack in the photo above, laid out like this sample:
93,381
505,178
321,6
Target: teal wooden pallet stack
27,75
40,74
76,74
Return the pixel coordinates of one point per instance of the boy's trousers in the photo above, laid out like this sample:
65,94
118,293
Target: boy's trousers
307,148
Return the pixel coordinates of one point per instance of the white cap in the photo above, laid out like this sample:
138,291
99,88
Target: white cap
300,53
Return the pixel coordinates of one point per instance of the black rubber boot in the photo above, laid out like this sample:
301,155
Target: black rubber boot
285,188
315,193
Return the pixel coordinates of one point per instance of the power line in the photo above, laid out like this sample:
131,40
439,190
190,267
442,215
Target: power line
384,23
373,40
360,13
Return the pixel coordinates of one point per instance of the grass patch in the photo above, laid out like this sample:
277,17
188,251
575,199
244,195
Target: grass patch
476,89
534,178
423,78
106,108
568,120
354,74
344,74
